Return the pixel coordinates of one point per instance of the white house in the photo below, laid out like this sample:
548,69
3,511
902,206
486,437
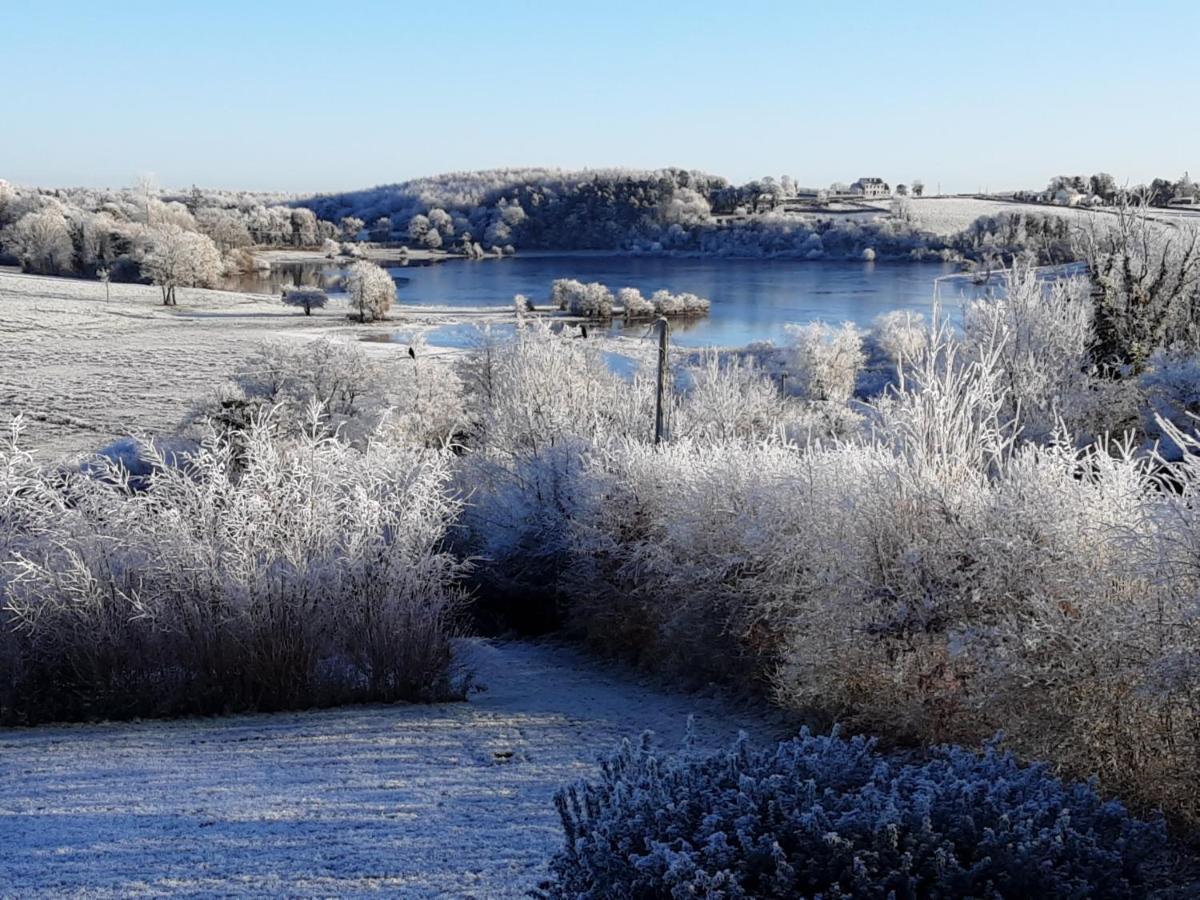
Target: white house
871,188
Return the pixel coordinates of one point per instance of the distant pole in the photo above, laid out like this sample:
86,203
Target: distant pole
664,330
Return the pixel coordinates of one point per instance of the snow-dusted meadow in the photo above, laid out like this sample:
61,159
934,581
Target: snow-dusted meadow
448,800
951,215
85,370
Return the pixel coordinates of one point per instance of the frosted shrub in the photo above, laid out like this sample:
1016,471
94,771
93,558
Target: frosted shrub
730,398
635,305
827,817
593,300
901,335
261,573
541,403
1040,335
825,361
289,377
418,400
667,304
1146,284
935,579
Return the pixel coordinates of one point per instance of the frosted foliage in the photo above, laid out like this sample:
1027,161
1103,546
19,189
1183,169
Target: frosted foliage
634,305
371,290
827,817
937,578
178,258
542,401
825,360
356,397
256,572
1040,335
667,304
900,334
593,300
41,241
731,398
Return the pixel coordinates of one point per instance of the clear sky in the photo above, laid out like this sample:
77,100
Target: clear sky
303,96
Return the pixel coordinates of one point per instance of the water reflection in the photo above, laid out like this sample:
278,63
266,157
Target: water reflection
752,300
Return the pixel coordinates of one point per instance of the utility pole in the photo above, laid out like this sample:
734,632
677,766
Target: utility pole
660,398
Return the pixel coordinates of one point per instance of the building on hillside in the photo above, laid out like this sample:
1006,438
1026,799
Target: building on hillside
1068,197
871,188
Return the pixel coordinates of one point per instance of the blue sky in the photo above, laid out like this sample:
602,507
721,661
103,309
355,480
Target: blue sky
322,96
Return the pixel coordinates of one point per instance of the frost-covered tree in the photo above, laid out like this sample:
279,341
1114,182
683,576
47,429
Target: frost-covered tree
180,258
350,228
305,298
418,227
372,290
41,241
443,222
226,227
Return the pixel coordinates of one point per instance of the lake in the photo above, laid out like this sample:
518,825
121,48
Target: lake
752,300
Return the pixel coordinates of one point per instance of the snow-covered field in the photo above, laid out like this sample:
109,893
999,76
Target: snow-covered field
450,800
85,371
949,215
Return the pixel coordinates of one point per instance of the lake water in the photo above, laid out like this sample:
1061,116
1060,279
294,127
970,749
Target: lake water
752,300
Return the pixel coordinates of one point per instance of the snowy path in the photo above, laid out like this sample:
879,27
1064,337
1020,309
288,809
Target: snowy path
411,801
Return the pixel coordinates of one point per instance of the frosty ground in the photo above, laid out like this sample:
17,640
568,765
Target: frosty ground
451,800
85,371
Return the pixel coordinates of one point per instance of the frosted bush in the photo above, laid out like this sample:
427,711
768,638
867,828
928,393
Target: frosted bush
1040,335
289,377
730,398
667,304
900,334
635,305
542,403
827,817
935,578
415,401
825,361
257,573
593,300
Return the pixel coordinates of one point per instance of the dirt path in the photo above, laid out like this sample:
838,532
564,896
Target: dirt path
451,800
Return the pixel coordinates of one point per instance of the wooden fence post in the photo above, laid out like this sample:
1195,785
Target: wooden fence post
660,398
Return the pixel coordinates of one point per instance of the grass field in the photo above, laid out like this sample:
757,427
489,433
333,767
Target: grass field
85,371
